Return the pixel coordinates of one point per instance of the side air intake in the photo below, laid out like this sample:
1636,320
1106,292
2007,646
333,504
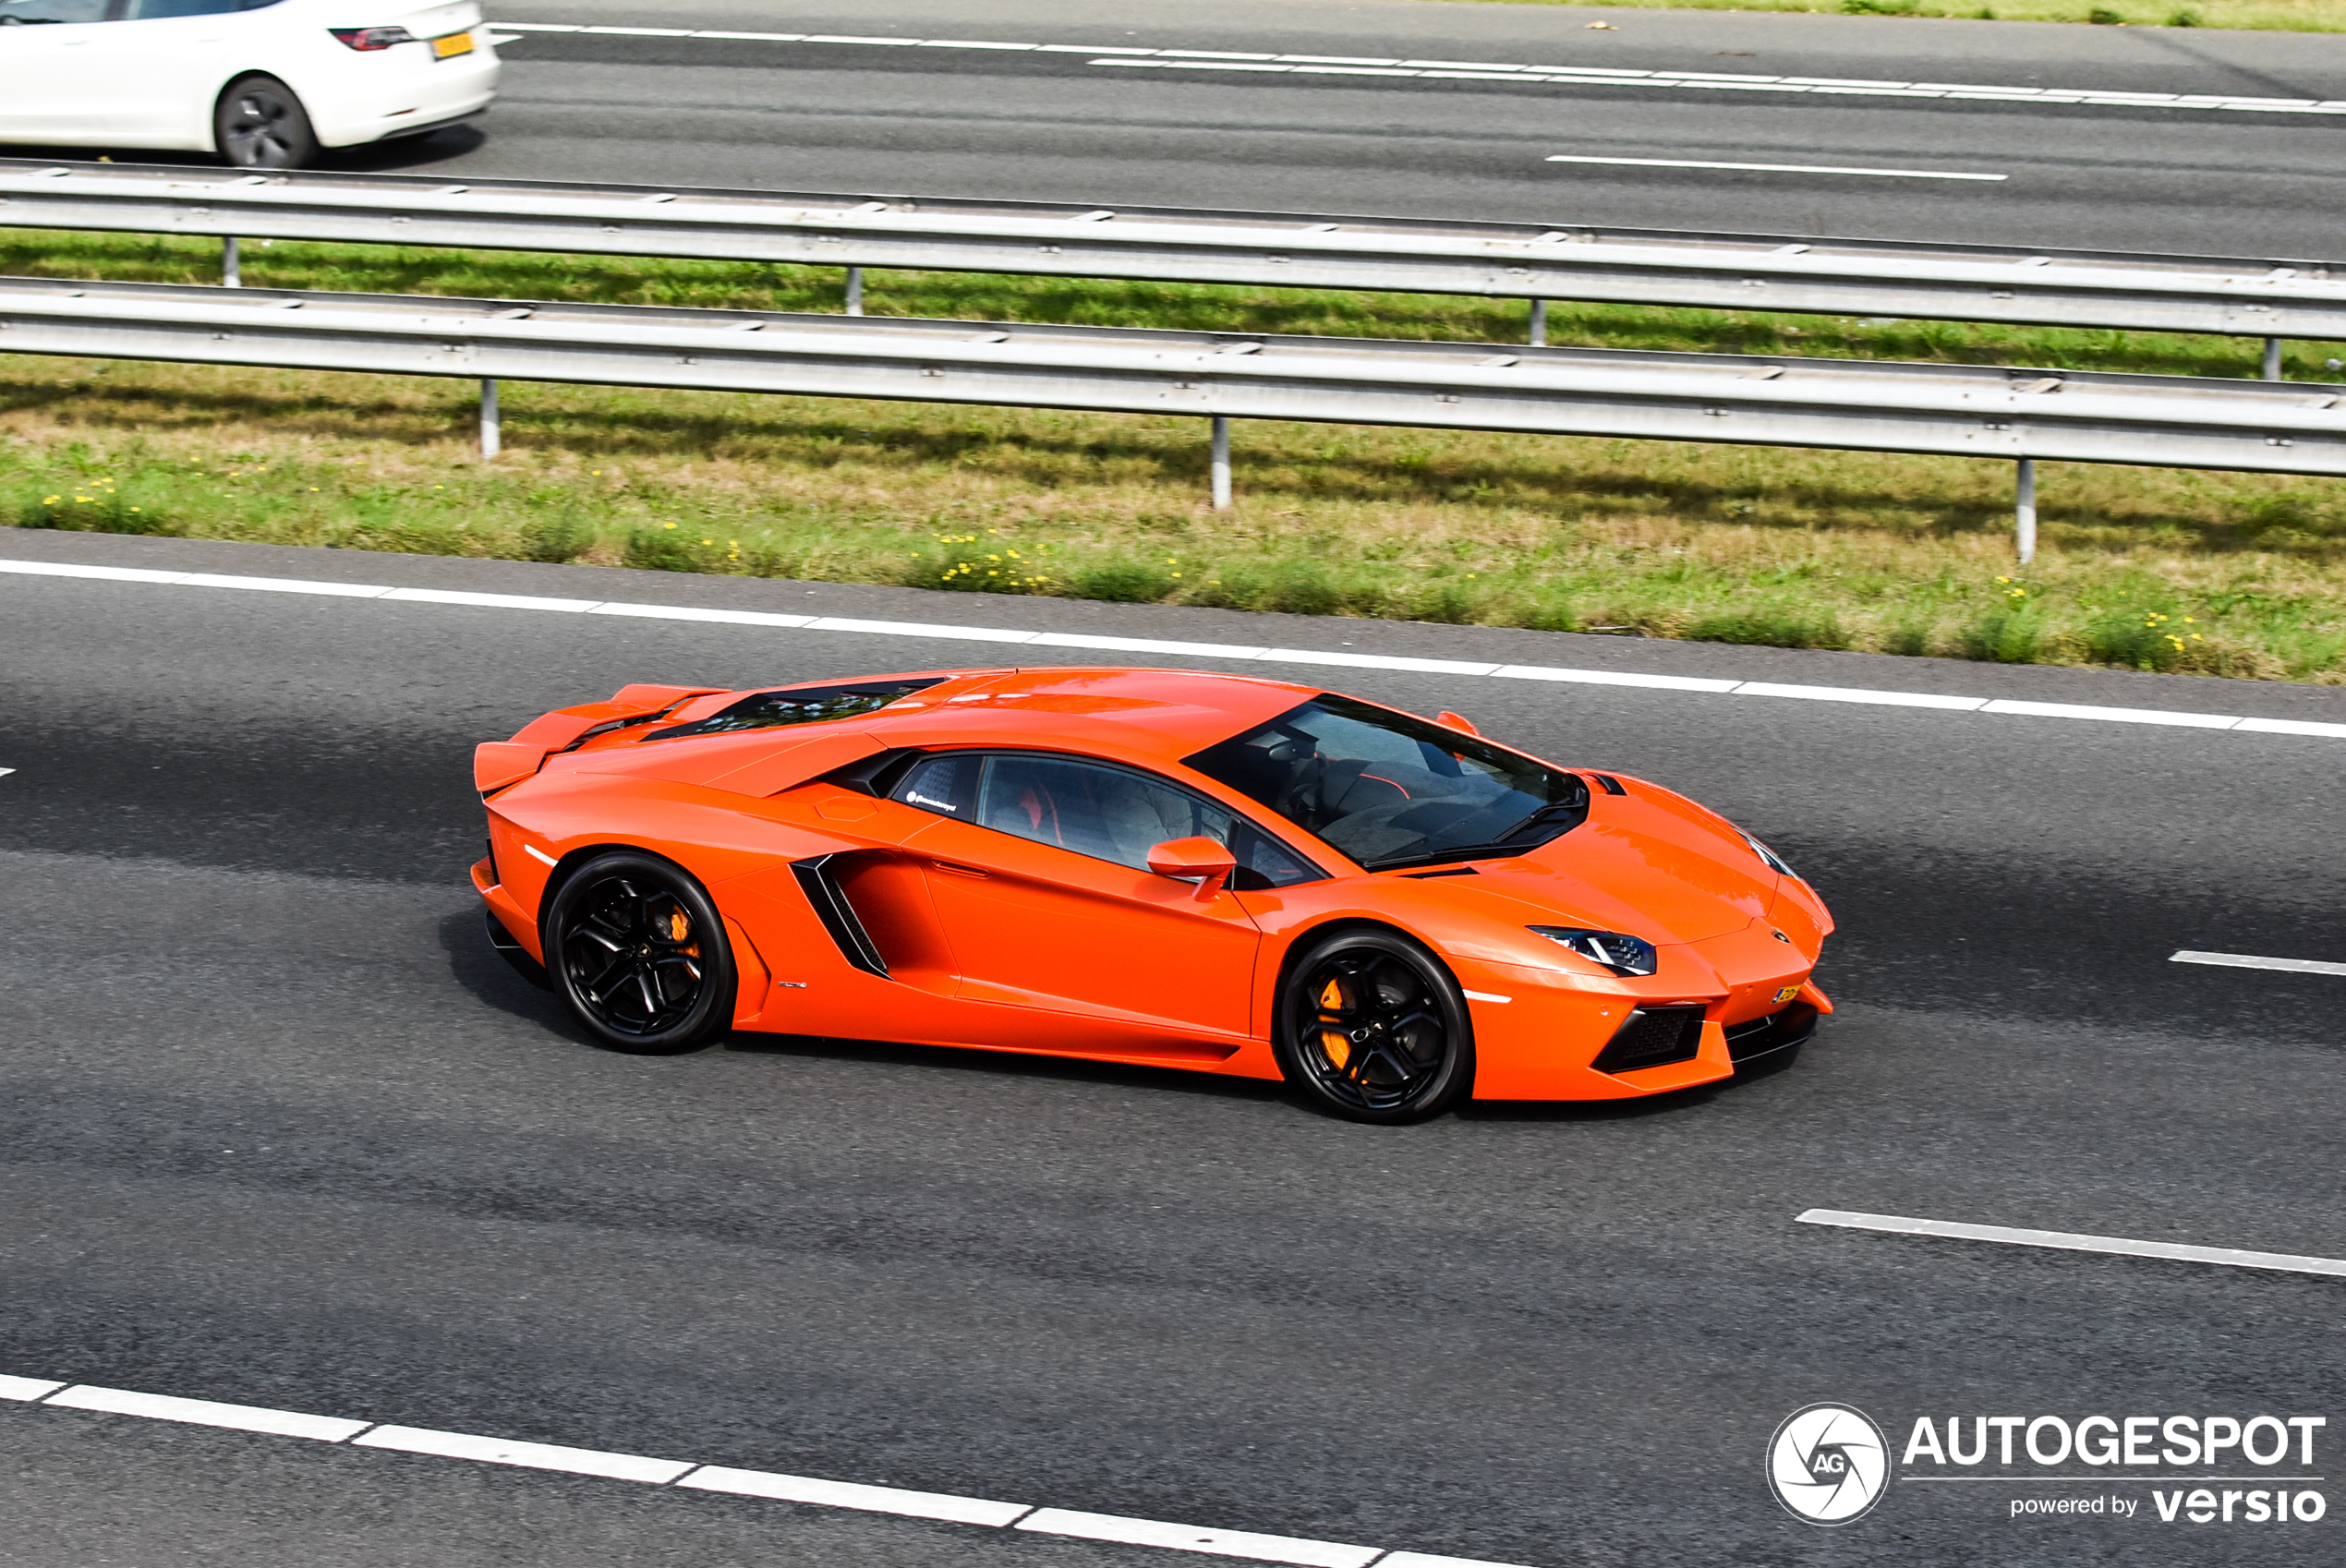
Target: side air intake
837,914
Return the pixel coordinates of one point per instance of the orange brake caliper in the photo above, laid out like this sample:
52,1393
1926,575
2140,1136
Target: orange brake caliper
1334,1041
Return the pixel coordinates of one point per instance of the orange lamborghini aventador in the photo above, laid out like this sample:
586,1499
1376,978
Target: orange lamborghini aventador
1192,870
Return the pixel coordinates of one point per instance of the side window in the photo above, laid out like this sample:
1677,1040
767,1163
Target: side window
1106,813
152,10
17,12
946,785
1263,863
1102,811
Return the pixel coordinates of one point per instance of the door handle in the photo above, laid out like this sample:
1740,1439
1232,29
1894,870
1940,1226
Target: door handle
960,870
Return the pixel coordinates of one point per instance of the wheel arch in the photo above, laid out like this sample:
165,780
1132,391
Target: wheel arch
1309,937
567,867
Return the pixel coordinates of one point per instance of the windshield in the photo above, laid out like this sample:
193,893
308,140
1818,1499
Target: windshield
1388,789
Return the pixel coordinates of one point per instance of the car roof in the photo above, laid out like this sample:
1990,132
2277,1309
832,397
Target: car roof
1157,715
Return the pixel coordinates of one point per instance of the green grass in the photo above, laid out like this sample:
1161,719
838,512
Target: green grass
2289,16
2239,575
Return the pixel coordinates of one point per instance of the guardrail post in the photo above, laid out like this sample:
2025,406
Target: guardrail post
855,291
2272,359
232,271
1539,338
1221,464
491,437
2024,511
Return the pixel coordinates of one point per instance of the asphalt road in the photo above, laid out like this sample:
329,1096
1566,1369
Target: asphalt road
1058,126
276,1128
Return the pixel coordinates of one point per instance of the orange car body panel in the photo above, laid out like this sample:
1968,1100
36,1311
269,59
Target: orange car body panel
998,942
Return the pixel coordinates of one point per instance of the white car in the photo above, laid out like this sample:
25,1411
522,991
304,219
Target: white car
263,83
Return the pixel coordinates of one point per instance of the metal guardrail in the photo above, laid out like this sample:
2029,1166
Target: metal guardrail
2272,298
1972,411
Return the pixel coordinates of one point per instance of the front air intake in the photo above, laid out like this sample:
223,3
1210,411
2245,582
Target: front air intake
1654,1037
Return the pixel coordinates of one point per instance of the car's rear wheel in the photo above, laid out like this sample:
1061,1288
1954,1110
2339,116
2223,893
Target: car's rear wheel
637,952
1371,1026
260,124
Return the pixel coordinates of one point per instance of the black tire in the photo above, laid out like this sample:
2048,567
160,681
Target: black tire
636,951
1373,1027
259,123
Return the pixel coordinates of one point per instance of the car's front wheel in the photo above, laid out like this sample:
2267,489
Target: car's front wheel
260,124
1373,1027
639,952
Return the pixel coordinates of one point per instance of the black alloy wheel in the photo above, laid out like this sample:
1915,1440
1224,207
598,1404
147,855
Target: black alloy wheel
1373,1027
260,124
640,955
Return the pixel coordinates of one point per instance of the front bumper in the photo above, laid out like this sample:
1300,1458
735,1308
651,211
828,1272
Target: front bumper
1540,1032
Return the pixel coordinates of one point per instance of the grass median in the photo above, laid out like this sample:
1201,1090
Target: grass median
2233,575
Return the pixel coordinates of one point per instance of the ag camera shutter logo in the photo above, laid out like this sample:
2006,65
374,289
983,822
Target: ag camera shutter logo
1828,1463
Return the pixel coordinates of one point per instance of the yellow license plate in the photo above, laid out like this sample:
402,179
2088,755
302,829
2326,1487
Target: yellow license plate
456,44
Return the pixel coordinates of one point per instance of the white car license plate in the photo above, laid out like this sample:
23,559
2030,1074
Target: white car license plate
456,44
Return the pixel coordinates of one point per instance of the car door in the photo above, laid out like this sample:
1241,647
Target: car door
53,70
1038,870
168,59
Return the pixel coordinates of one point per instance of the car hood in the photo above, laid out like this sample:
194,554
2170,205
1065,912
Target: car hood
1667,880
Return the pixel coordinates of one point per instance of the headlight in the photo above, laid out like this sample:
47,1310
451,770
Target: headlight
1768,858
1619,952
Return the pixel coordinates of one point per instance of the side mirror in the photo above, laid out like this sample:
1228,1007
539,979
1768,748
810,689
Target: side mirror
1455,721
1201,857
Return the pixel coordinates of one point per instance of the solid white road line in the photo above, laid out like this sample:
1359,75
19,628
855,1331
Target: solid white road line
2249,960
1189,1537
1194,650
1859,695
529,1455
1489,70
679,612
1778,168
490,601
847,1495
206,1413
5,771
1299,1551
2112,715
2066,1242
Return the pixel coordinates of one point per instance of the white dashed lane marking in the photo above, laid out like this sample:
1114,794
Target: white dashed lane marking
850,1494
1237,652
2065,1241
528,1456
1189,1537
1248,62
206,1413
1778,168
1299,1551
2250,961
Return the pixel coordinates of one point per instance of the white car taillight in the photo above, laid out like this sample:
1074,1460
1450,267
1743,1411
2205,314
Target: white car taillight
366,40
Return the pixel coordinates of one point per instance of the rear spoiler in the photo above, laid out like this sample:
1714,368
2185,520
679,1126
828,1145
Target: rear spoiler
498,765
